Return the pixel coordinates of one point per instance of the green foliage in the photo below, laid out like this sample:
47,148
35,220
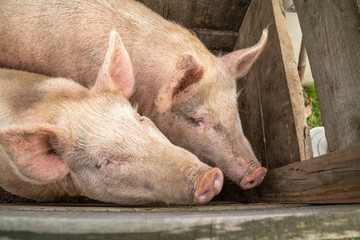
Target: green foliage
314,120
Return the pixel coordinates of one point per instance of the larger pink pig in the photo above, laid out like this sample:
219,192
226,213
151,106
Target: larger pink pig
189,93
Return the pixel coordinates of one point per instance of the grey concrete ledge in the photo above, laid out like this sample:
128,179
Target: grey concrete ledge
257,222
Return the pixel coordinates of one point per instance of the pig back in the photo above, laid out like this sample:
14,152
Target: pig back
18,91
24,96
69,39
45,43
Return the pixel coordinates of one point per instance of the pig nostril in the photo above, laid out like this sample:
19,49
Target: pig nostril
206,193
210,184
254,178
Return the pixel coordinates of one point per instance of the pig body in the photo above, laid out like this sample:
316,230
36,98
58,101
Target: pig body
58,138
188,93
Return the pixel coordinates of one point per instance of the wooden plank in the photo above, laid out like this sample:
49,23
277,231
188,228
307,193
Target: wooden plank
223,15
110,207
331,178
332,38
288,222
271,102
217,40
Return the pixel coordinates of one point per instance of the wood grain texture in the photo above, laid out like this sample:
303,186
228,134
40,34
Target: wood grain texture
271,102
331,178
113,223
332,38
111,207
217,40
225,15
216,23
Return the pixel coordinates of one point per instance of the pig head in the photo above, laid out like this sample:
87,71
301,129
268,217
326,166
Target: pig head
75,141
197,109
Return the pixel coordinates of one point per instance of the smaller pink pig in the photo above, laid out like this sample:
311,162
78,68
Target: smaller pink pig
58,138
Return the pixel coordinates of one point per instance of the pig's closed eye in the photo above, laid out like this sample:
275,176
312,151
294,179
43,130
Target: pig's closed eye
195,121
106,162
146,121
142,119
204,121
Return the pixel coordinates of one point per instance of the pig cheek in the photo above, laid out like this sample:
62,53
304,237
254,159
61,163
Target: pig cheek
215,149
95,182
171,125
235,159
85,181
112,174
106,185
205,143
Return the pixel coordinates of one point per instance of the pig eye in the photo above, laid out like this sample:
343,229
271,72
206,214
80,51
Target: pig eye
105,162
195,121
142,119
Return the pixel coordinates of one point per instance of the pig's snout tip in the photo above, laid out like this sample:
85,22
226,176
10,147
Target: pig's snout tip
210,184
254,178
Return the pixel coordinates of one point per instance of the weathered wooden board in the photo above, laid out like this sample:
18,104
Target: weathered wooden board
225,15
217,40
287,222
271,102
216,23
332,38
117,208
331,178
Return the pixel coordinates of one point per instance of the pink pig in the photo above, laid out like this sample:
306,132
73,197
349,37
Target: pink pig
58,138
189,93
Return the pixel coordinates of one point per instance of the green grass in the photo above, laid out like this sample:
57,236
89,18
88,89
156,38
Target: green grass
314,120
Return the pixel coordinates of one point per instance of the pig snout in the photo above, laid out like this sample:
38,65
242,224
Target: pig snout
210,184
254,178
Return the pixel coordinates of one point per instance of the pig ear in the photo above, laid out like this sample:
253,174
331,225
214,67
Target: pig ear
116,73
31,154
239,62
182,85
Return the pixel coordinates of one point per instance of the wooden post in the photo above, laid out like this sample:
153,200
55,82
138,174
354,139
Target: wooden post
331,32
271,101
302,61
